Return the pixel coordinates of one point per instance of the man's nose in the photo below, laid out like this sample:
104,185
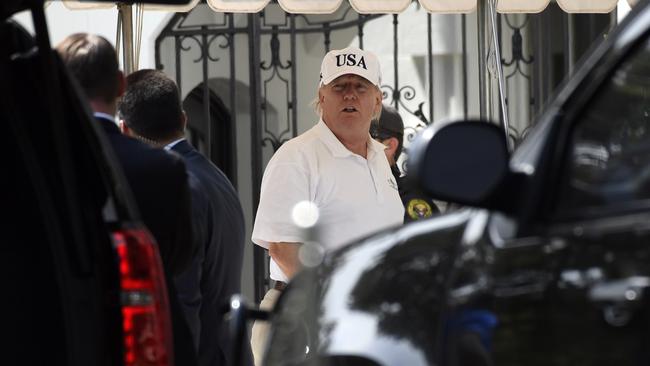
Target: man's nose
349,93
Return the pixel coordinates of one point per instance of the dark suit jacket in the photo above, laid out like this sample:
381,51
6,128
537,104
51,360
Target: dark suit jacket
158,182
219,226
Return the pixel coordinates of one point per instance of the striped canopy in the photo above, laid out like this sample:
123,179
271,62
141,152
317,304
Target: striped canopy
376,6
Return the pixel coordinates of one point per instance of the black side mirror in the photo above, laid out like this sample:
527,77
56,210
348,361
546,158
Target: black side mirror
463,162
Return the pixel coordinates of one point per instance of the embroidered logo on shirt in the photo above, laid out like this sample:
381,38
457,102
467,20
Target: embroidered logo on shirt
418,209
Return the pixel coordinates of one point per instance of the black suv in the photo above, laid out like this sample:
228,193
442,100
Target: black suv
82,280
549,264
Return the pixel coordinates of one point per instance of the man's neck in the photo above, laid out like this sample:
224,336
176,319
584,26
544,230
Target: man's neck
103,107
169,141
357,147
157,143
356,144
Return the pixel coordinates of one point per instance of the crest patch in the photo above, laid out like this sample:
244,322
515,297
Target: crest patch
418,209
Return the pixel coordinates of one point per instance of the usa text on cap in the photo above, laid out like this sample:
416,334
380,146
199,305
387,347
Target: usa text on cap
351,60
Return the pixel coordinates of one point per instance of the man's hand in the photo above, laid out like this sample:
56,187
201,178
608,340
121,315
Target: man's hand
286,256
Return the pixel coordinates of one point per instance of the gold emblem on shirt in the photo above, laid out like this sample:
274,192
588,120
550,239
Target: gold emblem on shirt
418,209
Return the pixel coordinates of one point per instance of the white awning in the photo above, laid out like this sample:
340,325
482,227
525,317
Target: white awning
374,6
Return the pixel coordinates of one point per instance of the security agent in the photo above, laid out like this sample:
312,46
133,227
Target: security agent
389,130
153,175
151,111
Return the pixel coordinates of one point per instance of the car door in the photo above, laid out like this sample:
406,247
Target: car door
575,289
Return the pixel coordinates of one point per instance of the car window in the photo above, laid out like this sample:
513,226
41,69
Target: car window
609,155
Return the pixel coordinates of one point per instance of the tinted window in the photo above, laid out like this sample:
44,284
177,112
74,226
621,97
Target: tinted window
609,161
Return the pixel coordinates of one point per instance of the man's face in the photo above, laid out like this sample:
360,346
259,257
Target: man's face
349,103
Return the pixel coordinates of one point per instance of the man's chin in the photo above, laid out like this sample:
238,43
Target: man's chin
352,117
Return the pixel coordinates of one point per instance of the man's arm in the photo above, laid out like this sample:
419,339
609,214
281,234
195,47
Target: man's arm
286,256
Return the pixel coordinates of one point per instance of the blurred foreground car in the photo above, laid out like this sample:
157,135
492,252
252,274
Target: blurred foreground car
549,264
81,276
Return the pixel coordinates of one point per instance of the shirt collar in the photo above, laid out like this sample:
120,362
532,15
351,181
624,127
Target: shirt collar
170,145
104,116
338,149
375,147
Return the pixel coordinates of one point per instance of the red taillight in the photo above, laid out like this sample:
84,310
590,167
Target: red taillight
145,308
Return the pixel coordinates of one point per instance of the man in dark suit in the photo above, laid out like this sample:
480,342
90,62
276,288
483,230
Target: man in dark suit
157,179
151,111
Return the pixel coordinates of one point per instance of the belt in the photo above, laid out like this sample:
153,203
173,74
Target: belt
279,285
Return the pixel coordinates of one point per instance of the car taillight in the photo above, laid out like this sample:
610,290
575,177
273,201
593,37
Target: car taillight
145,307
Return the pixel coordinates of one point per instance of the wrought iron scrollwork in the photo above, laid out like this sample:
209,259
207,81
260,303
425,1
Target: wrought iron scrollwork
517,44
517,60
275,53
227,38
518,57
274,141
398,98
516,137
327,32
185,47
204,49
275,66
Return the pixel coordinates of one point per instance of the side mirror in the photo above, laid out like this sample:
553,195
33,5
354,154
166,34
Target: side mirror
463,162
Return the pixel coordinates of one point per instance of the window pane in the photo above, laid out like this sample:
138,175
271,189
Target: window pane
610,158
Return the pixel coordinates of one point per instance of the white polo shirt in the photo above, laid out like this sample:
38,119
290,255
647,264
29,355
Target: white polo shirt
355,196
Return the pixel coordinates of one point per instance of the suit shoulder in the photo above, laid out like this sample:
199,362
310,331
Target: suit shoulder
157,162
169,160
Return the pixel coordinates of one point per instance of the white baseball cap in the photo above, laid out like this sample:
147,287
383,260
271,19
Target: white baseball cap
351,60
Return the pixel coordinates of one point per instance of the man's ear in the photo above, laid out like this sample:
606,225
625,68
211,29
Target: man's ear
121,83
391,145
183,121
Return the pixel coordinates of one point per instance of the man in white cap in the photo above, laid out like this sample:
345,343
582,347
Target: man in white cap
337,166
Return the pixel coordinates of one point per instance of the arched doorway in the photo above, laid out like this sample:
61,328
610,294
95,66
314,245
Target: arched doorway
221,151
